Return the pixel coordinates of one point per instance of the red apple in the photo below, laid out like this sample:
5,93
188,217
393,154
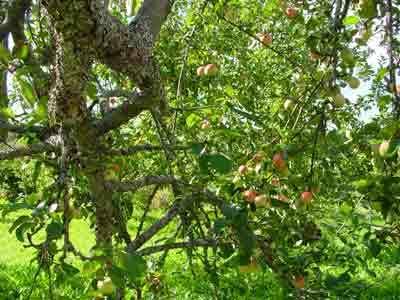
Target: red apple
250,195
306,197
210,70
278,161
299,282
200,71
291,12
265,38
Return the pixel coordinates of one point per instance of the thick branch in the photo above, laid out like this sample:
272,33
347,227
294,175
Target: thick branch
179,245
143,148
155,12
137,103
25,151
144,181
160,224
20,128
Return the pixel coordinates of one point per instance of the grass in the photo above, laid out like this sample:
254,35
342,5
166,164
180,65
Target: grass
17,273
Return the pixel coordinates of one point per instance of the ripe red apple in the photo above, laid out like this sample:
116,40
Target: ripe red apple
243,169
205,124
306,197
250,195
291,12
265,38
210,70
200,71
278,161
299,282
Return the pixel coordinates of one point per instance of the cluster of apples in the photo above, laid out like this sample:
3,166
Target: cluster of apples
207,70
262,200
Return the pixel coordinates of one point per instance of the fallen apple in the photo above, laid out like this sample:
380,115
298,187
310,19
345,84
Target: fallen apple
243,169
291,12
200,71
306,197
288,104
264,38
210,70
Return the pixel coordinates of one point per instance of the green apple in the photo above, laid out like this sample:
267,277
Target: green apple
288,104
106,286
384,148
353,82
339,100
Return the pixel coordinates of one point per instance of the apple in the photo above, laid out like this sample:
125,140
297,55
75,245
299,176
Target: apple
384,148
200,71
339,100
288,104
306,197
278,161
265,38
299,282
291,12
105,286
205,124
258,157
353,82
261,201
250,195
210,70
243,169
347,56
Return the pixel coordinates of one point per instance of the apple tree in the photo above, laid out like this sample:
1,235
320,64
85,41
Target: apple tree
238,119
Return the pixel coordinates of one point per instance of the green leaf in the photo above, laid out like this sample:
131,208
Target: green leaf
217,162
69,269
54,230
134,266
192,120
19,232
27,91
23,52
351,20
5,55
18,222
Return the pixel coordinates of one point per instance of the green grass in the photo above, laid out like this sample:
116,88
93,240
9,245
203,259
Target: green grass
17,273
